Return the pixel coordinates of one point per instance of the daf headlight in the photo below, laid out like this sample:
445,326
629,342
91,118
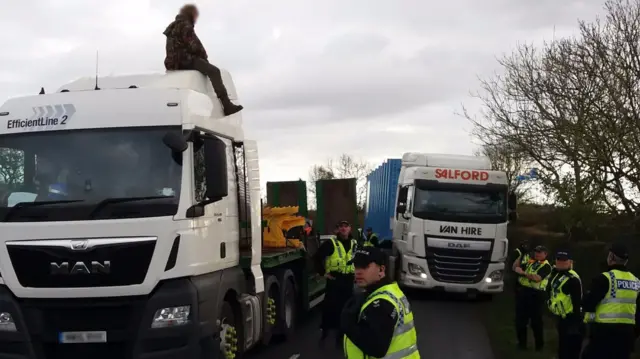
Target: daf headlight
7,324
495,276
416,270
171,317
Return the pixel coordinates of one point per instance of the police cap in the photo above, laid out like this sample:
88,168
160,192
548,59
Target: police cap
541,249
367,255
620,250
563,255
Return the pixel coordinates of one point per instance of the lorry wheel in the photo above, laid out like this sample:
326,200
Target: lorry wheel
269,308
289,310
231,335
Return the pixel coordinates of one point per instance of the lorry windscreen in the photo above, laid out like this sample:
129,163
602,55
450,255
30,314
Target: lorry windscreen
460,203
64,175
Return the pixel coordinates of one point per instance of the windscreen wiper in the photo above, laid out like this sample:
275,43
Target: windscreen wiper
21,205
107,201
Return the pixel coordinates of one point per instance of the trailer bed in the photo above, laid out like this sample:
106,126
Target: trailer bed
273,257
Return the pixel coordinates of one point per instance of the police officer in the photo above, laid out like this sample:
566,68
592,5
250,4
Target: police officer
564,290
370,239
610,308
522,253
520,258
333,260
377,323
531,298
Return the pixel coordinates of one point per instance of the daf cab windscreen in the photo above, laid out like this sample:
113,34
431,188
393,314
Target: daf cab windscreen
460,202
88,174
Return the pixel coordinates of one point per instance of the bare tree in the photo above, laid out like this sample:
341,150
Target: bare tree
345,166
508,159
571,107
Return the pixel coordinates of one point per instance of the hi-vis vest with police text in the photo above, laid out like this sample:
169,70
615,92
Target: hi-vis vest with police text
619,305
533,268
559,303
404,344
337,261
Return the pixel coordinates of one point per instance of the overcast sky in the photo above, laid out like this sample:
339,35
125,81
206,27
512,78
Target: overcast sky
370,78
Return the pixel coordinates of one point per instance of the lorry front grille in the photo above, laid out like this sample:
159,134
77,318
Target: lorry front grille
457,266
50,264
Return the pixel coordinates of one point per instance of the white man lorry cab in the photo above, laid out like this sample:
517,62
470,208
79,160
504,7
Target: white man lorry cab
131,224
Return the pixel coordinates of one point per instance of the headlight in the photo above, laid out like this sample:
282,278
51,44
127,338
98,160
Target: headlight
171,317
416,270
6,322
495,276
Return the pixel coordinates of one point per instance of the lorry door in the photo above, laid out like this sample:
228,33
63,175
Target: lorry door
219,224
401,225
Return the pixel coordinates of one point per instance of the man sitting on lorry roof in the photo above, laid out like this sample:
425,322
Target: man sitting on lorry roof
186,52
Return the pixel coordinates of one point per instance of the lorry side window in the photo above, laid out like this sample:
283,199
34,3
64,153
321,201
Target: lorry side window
200,185
402,195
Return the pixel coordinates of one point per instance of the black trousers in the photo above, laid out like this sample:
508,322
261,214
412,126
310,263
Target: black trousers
529,310
214,74
570,335
338,292
610,341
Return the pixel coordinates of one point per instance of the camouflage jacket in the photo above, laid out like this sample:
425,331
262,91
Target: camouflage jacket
182,44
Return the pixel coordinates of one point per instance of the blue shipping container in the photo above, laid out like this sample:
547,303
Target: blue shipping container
382,185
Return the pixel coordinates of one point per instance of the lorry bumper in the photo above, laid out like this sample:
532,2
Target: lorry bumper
492,282
125,320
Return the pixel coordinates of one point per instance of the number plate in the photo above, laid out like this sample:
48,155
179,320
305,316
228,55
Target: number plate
82,337
455,289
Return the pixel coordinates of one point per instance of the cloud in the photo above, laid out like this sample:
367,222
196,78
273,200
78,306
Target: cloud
317,78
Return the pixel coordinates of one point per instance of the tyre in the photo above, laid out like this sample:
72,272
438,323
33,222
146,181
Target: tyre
270,308
231,334
289,313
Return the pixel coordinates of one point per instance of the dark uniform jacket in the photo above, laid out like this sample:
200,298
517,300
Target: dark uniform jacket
374,331
572,288
598,290
182,44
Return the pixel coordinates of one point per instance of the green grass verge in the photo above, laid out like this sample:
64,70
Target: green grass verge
499,316
499,320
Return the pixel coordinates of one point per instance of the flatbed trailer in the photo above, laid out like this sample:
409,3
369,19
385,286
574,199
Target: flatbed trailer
311,287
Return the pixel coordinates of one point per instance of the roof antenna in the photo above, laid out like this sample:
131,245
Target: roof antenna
41,91
97,88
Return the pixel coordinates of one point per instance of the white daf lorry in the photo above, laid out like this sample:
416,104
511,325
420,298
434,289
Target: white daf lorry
450,223
130,226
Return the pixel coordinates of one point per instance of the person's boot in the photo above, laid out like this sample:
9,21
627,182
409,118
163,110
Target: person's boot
229,108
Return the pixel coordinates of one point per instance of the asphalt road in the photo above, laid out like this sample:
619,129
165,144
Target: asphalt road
448,328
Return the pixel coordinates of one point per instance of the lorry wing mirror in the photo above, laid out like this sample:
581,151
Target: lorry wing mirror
401,208
215,158
175,141
513,216
512,201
